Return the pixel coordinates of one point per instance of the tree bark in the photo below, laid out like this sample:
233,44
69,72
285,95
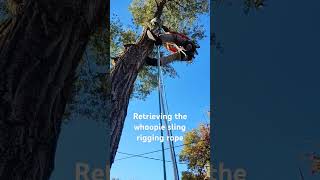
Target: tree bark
122,83
40,49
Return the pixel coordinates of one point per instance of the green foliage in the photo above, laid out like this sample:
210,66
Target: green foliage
120,35
147,77
196,152
148,80
186,175
178,15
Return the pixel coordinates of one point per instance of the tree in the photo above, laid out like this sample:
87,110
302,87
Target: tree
196,153
180,16
41,45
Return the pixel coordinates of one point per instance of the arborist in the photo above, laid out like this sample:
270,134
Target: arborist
179,45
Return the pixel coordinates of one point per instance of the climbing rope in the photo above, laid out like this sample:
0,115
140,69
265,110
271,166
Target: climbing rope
163,105
173,153
160,109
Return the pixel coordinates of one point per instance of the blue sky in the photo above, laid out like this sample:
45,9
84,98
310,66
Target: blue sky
188,94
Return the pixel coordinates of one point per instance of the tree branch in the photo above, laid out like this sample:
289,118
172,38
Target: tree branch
179,4
156,3
159,10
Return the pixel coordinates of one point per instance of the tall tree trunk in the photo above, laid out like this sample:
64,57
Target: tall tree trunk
40,49
122,83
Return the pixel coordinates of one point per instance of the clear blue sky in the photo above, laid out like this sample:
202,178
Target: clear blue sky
189,94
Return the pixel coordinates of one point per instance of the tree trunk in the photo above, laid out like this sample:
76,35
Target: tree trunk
40,49
122,83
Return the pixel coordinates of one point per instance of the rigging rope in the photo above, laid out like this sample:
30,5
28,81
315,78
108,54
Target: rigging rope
163,105
160,108
173,153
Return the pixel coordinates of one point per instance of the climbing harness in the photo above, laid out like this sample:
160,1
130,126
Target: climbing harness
158,29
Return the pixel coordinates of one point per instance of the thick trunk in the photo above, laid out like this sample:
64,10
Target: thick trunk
122,83
39,52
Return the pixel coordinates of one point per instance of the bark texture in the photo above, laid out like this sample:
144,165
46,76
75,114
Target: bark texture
122,83
40,48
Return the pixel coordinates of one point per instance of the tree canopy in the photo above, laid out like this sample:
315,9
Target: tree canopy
181,16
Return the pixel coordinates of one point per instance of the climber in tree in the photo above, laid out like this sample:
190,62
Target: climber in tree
179,45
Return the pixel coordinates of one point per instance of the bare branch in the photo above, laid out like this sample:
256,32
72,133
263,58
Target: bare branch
157,3
162,4
160,7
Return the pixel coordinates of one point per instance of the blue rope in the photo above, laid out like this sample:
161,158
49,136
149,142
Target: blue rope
160,109
164,109
174,160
